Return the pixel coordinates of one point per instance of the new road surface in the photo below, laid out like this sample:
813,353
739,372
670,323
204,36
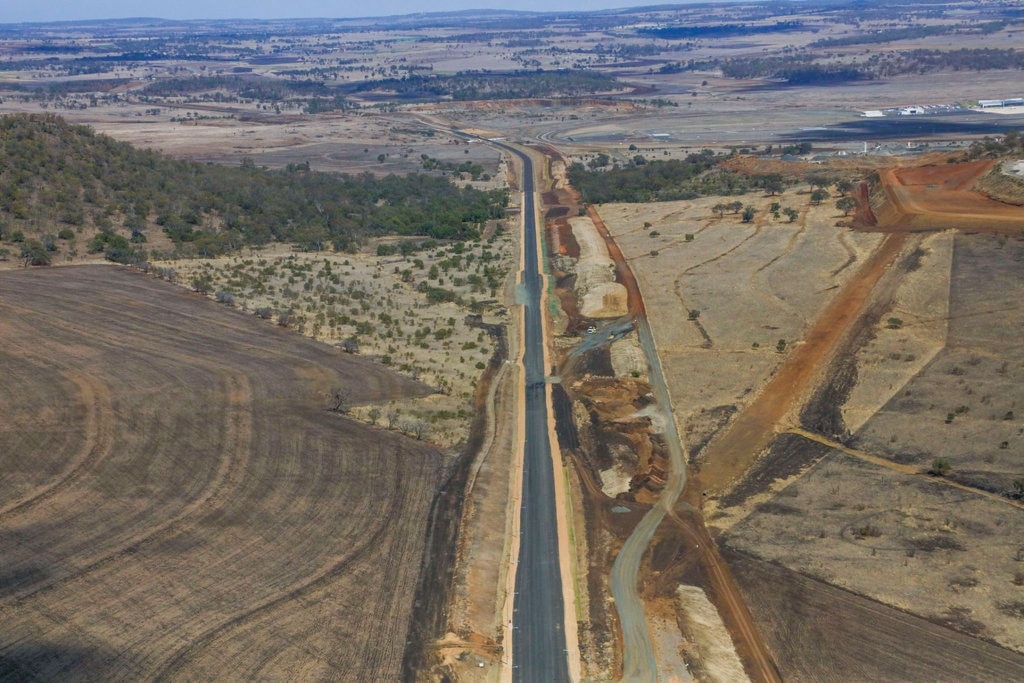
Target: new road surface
539,646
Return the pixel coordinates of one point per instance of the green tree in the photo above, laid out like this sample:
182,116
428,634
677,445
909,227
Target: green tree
818,196
940,467
773,184
748,214
33,253
819,181
846,205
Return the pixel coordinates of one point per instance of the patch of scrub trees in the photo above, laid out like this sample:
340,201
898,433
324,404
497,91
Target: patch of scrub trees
412,305
56,176
700,174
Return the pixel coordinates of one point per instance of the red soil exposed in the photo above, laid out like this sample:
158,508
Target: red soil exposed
940,197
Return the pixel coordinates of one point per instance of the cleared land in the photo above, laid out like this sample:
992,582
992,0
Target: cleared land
945,548
871,520
178,502
941,197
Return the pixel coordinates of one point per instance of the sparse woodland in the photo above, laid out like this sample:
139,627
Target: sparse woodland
65,182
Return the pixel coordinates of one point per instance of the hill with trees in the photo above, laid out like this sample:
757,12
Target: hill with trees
62,181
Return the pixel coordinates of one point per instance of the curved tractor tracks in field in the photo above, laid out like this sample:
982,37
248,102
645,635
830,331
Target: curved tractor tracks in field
98,427
174,665
199,479
237,445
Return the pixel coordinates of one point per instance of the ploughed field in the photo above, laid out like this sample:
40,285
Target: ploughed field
177,502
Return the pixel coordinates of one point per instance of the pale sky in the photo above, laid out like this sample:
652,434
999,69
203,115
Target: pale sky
66,10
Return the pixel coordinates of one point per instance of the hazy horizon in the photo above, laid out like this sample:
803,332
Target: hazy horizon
75,10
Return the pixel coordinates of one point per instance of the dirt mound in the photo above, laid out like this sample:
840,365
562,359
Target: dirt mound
997,185
925,198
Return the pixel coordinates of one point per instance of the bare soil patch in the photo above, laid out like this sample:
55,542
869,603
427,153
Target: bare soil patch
942,197
221,513
876,523
803,618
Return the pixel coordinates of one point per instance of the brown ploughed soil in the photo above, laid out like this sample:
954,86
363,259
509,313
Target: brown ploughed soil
819,632
178,501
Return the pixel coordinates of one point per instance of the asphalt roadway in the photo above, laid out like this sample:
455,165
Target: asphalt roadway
538,645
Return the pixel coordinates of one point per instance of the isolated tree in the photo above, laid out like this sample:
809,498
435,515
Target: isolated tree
791,213
735,207
340,400
940,467
773,184
373,414
201,282
33,253
818,196
416,429
719,209
748,214
844,186
846,205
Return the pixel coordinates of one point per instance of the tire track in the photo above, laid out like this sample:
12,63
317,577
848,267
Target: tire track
235,457
229,474
786,251
677,289
755,233
98,437
677,284
180,660
849,250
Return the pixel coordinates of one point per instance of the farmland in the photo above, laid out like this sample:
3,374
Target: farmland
177,494
241,464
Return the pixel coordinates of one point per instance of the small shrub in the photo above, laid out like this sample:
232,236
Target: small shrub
940,467
867,531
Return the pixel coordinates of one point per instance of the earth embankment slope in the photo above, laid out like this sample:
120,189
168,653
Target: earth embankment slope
189,501
940,197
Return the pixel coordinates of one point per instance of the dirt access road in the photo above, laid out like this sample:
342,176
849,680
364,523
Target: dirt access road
731,453
637,652
178,504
